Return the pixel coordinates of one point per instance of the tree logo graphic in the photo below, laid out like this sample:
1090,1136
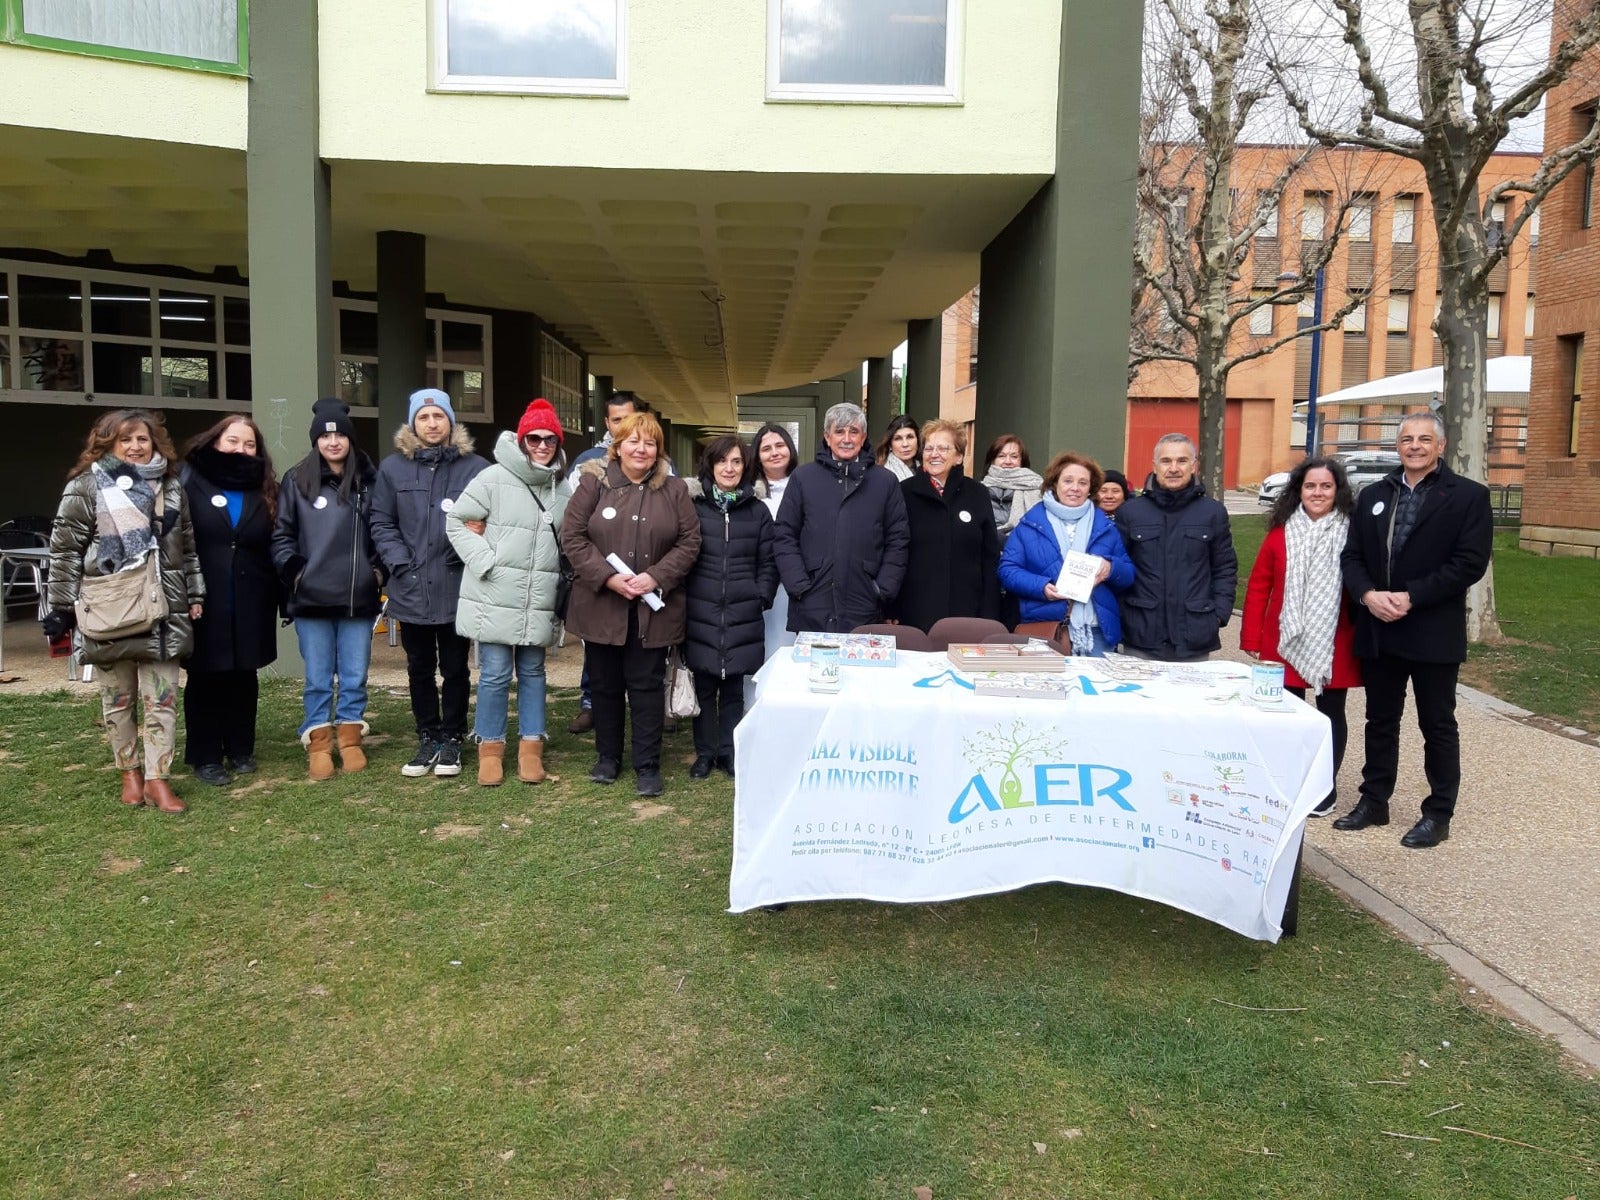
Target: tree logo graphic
1002,748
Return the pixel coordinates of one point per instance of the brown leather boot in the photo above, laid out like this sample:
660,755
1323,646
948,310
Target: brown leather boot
530,760
132,788
158,794
318,742
351,756
491,770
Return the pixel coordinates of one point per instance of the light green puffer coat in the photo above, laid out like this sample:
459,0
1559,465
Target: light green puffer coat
508,591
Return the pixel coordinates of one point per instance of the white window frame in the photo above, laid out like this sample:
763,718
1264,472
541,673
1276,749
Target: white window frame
1361,218
444,81
1313,217
1496,306
1355,321
1404,220
435,366
1527,316
1398,320
1261,318
866,93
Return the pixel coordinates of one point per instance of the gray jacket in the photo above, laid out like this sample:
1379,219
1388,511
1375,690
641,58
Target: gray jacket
416,488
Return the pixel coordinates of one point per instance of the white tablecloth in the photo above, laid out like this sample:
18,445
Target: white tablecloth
907,786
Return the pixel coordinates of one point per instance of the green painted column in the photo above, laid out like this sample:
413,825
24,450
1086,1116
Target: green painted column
291,295
924,353
880,391
1056,281
403,331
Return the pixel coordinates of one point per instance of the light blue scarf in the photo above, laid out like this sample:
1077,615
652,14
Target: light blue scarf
1072,528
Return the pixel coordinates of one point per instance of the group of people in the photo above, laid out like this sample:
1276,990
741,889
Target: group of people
726,565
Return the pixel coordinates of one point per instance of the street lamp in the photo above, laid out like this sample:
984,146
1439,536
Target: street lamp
1318,287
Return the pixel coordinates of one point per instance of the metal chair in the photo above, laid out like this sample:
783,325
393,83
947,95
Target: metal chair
906,637
948,630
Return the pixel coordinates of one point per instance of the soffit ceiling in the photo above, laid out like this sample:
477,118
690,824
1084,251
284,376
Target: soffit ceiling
688,288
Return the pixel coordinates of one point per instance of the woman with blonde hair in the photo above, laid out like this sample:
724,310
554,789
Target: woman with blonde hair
950,566
122,504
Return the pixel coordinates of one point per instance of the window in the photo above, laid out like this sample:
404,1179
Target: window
1361,219
562,380
458,356
566,47
1180,214
1269,225
1355,320
1261,318
883,51
1527,318
1495,227
1494,315
203,34
1533,228
1583,120
1311,217
1572,356
1399,313
1405,220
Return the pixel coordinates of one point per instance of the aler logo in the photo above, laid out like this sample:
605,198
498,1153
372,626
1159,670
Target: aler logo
1031,773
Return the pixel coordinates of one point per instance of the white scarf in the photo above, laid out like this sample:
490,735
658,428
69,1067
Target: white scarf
900,468
1312,593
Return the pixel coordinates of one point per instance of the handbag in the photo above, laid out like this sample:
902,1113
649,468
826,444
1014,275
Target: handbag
682,702
1057,633
121,605
563,565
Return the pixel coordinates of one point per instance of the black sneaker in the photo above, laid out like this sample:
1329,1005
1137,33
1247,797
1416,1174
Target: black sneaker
648,781
449,760
213,773
605,771
725,765
422,761
244,766
1325,807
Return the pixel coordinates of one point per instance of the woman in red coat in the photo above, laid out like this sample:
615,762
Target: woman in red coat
1294,606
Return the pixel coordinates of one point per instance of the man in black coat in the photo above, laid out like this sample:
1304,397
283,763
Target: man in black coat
841,538
1184,563
1419,538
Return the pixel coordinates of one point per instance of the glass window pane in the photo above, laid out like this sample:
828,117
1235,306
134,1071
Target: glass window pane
463,343
1355,320
5,360
121,370
236,321
1361,220
190,373
5,300
545,39
358,383
895,43
1399,312
50,365
188,28
188,317
465,389
44,302
1405,216
239,385
358,332
117,308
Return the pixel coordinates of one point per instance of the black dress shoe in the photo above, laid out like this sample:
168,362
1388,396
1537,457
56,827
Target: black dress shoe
701,768
605,771
1366,812
648,782
213,773
244,766
725,765
1429,831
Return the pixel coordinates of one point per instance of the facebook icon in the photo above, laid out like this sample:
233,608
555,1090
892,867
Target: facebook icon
1149,843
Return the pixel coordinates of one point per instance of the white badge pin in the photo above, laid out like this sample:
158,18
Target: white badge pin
125,482
966,516
608,513
322,502
219,502
446,504
1377,509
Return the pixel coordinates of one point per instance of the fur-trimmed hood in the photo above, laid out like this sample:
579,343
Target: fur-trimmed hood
601,469
408,443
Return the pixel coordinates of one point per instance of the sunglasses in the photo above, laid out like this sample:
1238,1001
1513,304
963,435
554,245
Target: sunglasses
542,439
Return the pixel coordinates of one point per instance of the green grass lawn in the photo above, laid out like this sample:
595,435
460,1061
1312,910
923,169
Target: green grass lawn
379,987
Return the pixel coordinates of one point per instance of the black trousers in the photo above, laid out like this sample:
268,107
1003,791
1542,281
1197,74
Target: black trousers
637,675
721,708
439,712
219,716
1330,703
1434,686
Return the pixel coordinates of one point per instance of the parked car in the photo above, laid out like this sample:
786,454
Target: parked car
1361,467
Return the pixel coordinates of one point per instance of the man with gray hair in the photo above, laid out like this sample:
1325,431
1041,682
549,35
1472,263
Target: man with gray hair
841,537
1185,569
1419,538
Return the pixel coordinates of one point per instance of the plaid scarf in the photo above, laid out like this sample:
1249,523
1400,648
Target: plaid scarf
124,513
1311,595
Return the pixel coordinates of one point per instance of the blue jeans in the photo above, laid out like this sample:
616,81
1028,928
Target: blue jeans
334,648
495,664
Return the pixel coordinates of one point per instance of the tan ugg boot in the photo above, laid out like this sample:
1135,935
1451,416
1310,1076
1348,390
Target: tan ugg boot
318,741
530,760
491,770
351,756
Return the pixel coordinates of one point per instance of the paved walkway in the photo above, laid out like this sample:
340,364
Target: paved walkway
1511,902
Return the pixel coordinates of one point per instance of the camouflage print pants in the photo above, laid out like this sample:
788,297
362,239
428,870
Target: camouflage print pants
156,685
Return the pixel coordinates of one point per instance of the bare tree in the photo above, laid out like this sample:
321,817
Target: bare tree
1446,97
1195,288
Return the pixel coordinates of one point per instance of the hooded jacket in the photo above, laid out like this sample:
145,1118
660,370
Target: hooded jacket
652,527
1185,570
508,587
953,554
841,545
1033,558
731,586
322,547
416,488
72,544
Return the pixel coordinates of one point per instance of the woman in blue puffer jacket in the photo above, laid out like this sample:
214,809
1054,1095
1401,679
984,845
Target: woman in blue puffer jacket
1067,519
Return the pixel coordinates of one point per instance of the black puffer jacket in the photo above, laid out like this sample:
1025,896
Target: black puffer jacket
730,586
323,548
1185,570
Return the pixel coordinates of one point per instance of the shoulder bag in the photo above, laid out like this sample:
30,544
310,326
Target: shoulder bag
682,702
564,568
130,602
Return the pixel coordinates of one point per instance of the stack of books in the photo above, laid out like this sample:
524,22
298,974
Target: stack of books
987,657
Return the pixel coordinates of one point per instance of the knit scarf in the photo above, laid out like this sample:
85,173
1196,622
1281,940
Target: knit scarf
1072,526
898,467
1017,486
124,516
723,500
1311,595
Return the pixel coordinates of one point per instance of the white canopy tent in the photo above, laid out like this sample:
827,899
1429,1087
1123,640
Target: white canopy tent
1507,378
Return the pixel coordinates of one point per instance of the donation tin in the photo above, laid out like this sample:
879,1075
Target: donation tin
1266,684
824,667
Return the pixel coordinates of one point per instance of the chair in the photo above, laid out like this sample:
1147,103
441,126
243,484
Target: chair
947,630
1007,639
906,637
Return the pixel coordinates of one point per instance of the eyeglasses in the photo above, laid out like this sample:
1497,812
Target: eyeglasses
542,439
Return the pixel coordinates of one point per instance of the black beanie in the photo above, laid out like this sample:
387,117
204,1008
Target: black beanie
330,415
1121,480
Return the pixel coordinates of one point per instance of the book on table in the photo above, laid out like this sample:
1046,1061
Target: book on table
997,656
